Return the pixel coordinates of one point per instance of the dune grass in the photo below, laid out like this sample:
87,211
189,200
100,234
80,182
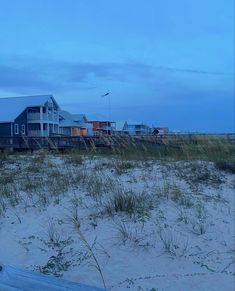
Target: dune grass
149,200
208,148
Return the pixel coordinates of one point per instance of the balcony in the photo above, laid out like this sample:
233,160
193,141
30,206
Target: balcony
37,133
33,116
47,117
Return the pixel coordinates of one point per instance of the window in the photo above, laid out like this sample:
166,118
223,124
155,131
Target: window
23,128
16,128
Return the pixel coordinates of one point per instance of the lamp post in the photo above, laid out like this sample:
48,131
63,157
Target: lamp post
108,115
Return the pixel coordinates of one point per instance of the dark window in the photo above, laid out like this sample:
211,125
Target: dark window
16,128
23,128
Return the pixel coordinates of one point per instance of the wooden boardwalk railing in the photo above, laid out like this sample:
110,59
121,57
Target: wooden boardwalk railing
62,142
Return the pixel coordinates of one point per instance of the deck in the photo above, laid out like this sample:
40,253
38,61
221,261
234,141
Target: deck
105,141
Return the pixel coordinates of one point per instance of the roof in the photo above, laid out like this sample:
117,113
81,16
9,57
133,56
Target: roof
15,279
12,107
120,125
101,121
71,123
73,117
78,117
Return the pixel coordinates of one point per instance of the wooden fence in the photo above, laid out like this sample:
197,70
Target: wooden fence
105,141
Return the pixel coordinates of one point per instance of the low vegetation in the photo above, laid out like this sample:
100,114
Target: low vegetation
226,166
85,215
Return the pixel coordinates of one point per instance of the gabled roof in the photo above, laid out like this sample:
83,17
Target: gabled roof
73,117
65,114
78,117
120,125
72,120
70,123
12,107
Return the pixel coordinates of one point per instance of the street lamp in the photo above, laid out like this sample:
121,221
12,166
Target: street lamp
109,105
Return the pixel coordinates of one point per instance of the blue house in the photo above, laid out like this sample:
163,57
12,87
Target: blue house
29,116
74,124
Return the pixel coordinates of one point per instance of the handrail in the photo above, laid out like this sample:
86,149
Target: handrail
61,142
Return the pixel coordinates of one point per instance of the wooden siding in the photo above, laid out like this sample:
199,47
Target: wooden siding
20,120
5,129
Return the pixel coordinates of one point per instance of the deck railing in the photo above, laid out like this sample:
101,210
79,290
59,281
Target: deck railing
36,133
37,116
63,142
33,116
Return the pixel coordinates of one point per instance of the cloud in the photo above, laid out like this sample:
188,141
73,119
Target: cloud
139,91
30,75
33,74
124,72
80,72
21,79
194,71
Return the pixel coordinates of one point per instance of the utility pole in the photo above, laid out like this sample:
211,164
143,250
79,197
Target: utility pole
108,129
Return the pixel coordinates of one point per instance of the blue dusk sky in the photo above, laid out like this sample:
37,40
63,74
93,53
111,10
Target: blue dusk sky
164,62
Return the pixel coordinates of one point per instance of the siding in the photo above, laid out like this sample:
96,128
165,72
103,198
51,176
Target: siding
21,119
5,129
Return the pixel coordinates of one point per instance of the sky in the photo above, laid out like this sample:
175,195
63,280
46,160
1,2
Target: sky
165,62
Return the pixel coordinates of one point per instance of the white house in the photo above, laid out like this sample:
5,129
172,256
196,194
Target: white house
132,129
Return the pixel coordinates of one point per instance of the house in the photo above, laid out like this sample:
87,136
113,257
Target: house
136,129
74,124
103,127
120,125
29,116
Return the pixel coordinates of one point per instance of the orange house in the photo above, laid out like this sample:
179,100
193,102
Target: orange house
74,124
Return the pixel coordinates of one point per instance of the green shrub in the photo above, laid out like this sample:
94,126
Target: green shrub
129,203
225,166
123,167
